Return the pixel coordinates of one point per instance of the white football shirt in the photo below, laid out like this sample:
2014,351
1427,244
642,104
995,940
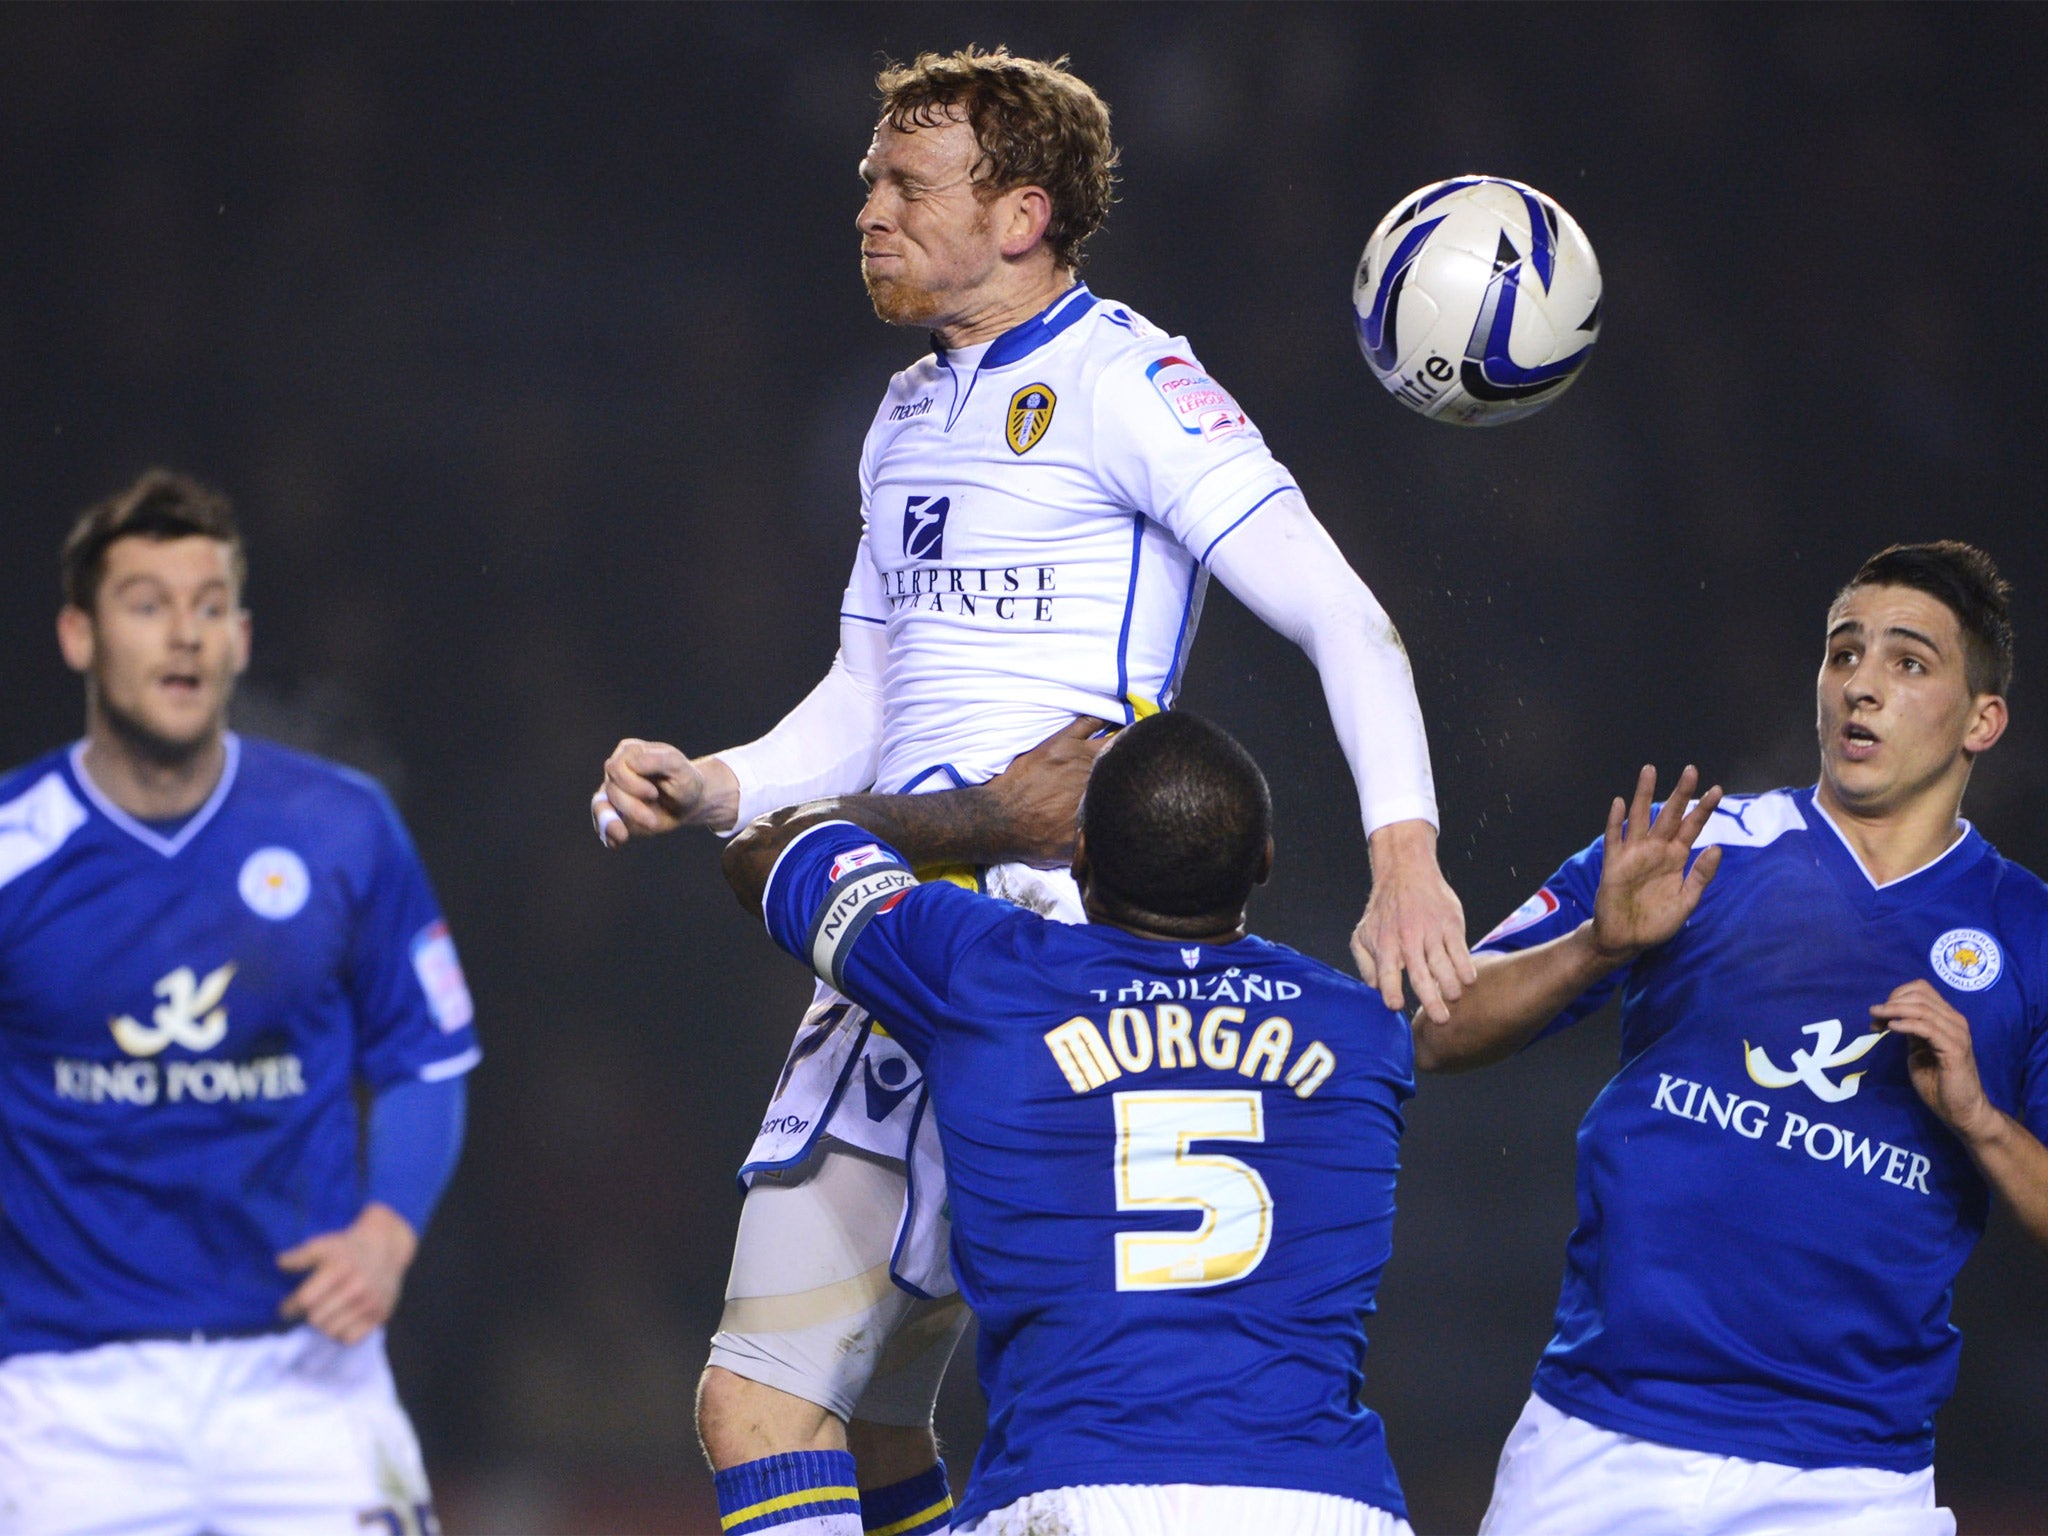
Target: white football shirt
1037,512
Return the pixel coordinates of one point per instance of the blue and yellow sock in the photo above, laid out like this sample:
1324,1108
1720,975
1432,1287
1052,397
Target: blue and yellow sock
914,1507
799,1493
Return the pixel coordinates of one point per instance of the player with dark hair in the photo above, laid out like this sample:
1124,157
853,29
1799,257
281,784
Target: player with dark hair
1834,1031
1170,1148
207,944
1044,497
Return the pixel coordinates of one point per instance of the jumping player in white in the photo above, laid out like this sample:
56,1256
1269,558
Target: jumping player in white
1834,1048
207,943
1044,498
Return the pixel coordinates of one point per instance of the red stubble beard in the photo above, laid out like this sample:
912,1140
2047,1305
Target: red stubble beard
899,302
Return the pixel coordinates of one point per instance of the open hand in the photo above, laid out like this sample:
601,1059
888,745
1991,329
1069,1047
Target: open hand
1939,1055
1039,794
649,787
1646,893
352,1276
1413,923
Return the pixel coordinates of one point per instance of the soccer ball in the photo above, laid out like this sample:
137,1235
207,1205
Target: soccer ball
1477,301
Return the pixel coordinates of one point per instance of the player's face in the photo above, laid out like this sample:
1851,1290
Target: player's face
927,243
164,643
1897,717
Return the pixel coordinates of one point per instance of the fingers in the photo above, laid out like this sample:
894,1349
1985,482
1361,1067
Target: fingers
1695,820
1379,960
611,829
623,771
339,1298
1701,875
1442,968
307,1254
651,759
319,1291
1361,952
1639,807
1617,815
1387,965
1671,814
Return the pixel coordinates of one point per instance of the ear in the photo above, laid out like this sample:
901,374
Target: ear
1079,868
76,637
1028,212
1265,865
244,635
1988,719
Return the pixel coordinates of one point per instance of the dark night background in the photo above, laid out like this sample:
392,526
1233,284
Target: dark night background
532,345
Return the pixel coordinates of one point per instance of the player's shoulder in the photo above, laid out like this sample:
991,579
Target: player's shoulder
1134,366
1758,821
39,812
18,781
907,384
2020,897
343,804
1113,339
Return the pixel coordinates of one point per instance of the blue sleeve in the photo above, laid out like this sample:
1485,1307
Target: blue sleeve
414,1140
849,907
414,1017
1564,901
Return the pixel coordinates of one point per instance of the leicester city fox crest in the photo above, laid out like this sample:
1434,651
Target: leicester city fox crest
1030,414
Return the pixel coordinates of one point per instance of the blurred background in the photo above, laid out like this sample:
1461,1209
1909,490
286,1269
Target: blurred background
531,343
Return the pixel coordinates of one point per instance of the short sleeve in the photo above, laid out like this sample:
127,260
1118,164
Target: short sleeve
849,907
1563,902
1172,443
414,1017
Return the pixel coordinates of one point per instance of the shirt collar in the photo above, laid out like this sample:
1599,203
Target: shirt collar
148,836
1022,340
1962,837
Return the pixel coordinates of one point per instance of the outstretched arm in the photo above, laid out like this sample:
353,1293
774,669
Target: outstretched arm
1025,813
828,744
1645,895
1283,565
1944,1070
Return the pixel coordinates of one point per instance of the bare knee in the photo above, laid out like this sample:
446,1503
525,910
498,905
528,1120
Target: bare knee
889,1453
740,1420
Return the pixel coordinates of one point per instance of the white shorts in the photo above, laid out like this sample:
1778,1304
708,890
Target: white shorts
1560,1476
1184,1509
811,1309
284,1434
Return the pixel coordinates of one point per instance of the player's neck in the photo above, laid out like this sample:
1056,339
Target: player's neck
1165,930
146,779
1894,841
1003,305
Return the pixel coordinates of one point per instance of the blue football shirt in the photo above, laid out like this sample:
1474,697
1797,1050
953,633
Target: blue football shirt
1769,1219
183,1020
1170,1170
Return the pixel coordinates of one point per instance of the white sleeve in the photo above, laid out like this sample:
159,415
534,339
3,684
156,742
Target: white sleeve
1172,443
831,743
1284,566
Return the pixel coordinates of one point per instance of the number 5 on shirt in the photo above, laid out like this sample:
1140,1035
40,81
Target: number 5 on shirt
1156,1172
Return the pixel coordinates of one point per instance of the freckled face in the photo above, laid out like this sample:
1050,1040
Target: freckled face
926,240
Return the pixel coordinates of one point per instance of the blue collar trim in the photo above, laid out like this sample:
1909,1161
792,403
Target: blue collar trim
1023,340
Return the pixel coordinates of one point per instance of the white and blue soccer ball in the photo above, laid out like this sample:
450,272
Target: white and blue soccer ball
1477,300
